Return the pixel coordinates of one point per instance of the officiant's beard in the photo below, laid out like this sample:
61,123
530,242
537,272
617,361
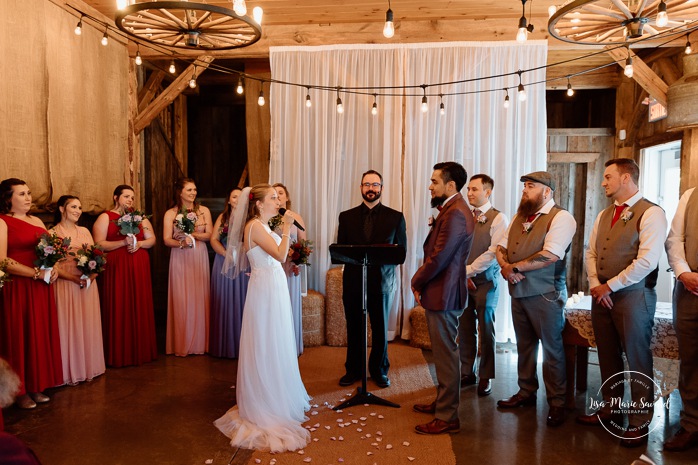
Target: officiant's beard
371,195
530,206
436,201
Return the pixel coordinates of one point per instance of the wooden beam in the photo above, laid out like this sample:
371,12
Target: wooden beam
573,157
580,132
642,74
146,94
669,71
168,95
638,115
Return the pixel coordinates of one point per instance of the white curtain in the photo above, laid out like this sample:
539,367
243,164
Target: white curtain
320,154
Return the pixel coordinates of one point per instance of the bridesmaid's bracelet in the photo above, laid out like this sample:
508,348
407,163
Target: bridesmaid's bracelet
37,272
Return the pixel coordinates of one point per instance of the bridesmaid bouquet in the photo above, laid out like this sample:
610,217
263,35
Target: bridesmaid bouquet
129,223
300,252
90,259
4,275
185,221
50,250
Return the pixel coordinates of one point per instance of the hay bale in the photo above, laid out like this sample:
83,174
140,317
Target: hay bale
335,321
420,332
313,319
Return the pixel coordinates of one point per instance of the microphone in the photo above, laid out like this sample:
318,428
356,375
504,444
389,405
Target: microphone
282,212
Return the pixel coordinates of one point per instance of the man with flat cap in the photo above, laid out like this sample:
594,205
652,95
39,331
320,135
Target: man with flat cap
532,255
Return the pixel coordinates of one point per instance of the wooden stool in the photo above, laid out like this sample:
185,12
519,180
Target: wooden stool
313,319
419,336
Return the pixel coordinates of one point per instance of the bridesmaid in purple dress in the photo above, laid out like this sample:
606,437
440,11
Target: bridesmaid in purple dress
227,294
292,271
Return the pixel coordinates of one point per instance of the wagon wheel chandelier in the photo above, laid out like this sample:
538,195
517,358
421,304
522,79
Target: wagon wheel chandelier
188,25
604,22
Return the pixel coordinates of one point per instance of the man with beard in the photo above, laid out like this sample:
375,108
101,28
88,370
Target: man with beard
621,261
532,255
370,223
440,287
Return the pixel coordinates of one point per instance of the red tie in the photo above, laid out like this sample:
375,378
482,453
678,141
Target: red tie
531,217
477,213
616,214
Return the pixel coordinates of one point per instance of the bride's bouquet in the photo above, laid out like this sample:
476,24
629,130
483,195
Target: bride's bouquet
129,223
50,250
300,252
90,259
185,221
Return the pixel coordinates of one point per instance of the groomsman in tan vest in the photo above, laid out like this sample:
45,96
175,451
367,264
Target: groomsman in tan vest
533,255
621,261
483,291
682,249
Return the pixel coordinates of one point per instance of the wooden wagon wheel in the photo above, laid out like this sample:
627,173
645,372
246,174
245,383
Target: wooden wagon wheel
188,25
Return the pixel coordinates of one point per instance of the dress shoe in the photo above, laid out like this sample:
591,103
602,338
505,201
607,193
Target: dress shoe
682,440
348,379
517,400
437,426
39,397
635,436
381,381
484,387
556,416
425,408
595,419
25,402
467,380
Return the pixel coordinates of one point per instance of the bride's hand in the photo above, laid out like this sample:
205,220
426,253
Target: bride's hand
288,218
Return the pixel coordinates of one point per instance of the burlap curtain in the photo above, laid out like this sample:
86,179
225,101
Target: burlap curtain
63,105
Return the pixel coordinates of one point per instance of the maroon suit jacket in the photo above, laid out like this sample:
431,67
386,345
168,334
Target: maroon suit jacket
442,279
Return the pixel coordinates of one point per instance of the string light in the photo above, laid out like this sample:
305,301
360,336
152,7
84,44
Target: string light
374,108
260,99
308,103
192,81
172,68
257,14
389,28
662,17
240,7
552,9
628,71
442,108
570,90
688,46
506,99
239,89
139,60
521,90
78,28
524,27
121,4
105,39
425,106
340,107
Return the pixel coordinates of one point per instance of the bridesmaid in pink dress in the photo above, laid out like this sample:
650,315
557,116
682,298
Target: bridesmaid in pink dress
189,281
77,302
29,338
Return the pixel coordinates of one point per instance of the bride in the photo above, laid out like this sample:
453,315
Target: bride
271,398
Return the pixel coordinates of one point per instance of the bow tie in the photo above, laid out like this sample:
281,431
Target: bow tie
440,207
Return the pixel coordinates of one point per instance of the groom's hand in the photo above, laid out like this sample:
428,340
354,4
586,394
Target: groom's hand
417,296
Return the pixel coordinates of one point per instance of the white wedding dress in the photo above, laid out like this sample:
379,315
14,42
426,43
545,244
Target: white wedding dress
271,397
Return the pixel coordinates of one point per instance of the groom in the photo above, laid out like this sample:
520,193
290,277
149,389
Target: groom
440,286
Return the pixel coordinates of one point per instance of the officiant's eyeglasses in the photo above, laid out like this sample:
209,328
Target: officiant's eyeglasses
371,184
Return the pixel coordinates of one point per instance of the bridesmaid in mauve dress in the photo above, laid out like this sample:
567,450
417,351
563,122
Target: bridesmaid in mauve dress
189,281
79,320
29,338
128,320
292,271
227,293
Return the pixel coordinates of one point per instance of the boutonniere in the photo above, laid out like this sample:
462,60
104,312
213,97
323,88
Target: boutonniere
626,215
430,221
527,226
482,219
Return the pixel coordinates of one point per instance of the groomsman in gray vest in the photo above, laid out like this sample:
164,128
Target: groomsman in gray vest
532,255
621,261
682,249
483,291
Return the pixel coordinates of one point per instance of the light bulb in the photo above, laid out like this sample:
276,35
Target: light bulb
257,14
105,39
442,109
308,102
662,17
522,93
570,90
78,28
240,7
139,60
506,102
425,106
389,28
340,107
688,48
552,9
260,100
628,67
121,4
374,109
192,81
172,67
239,89
522,35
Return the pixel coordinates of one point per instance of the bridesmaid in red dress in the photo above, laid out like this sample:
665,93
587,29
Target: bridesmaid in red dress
29,338
128,320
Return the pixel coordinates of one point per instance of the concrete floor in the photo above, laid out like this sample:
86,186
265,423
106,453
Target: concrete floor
162,413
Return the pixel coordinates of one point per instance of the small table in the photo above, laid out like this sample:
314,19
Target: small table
578,336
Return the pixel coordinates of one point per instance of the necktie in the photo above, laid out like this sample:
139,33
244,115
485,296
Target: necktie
368,225
531,217
477,213
439,207
616,214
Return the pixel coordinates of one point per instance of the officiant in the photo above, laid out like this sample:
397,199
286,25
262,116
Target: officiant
370,223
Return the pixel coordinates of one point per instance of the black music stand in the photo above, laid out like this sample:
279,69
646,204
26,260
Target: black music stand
365,256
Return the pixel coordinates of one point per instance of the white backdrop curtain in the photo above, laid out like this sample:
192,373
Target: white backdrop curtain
320,154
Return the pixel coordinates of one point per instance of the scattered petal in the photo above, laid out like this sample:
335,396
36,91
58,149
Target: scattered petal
381,416
379,439
327,427
363,424
312,430
362,437
365,405
405,443
257,460
301,452
388,446
307,459
351,414
374,444
347,424
314,412
362,418
368,435
359,430
373,414
348,394
340,411
369,453
355,421
316,405
333,438
316,425
340,459
340,420
315,439
209,461
411,459
342,399
379,433
341,438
